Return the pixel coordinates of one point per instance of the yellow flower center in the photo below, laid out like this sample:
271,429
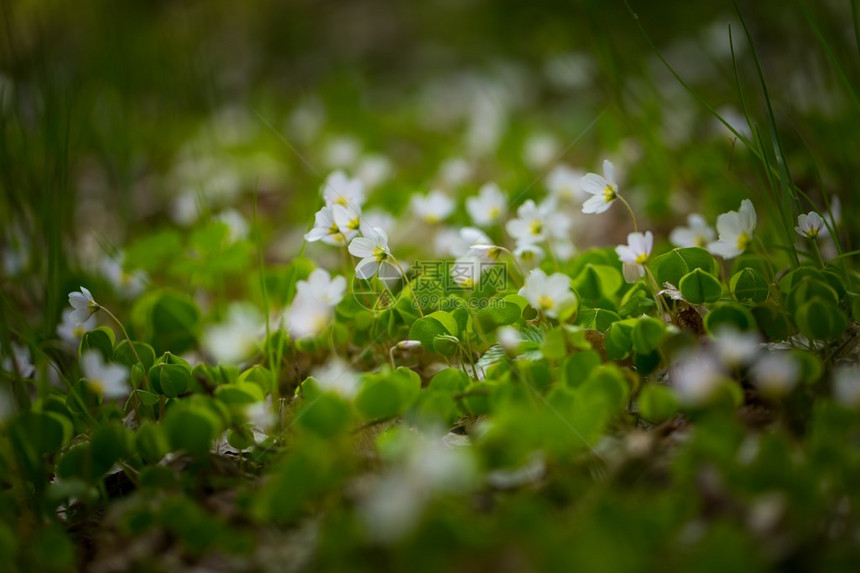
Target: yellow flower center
333,229
811,233
340,200
701,242
744,241
354,225
536,228
641,258
609,194
545,302
494,212
380,254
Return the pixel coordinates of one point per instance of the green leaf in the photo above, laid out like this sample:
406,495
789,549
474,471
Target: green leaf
618,339
729,314
146,398
596,318
101,339
123,354
749,286
657,403
820,319
426,329
239,394
326,416
191,429
169,320
498,313
578,366
672,266
699,287
598,281
449,380
445,344
647,334
170,379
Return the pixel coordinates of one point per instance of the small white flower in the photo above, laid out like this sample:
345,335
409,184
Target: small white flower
432,208
337,376
509,338
338,189
111,380
130,284
373,170
530,225
237,338
635,254
695,377
307,316
408,344
466,271
529,255
488,207
236,224
321,285
736,231
83,304
347,219
372,249
735,348
810,225
325,229
261,415
697,233
563,249
20,362
603,189
342,151
69,331
549,294
539,150
846,386
467,238
563,184
775,373
455,171
378,218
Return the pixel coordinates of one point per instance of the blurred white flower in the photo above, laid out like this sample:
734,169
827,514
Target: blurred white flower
325,228
529,255
775,373
130,284
509,337
536,223
563,249
20,361
736,231
372,249
603,189
846,386
83,304
261,415
373,170
236,224
342,151
347,219
110,380
635,254
488,206
563,184
307,316
337,376
455,171
432,208
697,233
237,338
339,189
548,294
810,225
379,218
467,238
321,285
539,150
695,377
466,271
69,331
735,348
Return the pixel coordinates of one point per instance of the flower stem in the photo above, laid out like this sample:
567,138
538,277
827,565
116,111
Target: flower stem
629,210
125,333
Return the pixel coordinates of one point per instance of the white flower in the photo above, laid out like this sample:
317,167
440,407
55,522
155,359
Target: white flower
130,284
697,233
307,316
237,226
540,150
635,254
235,339
488,207
20,362
111,380
563,183
342,151
378,218
372,249
846,386
735,348
549,294
374,170
509,338
261,415
603,189
465,239
83,304
530,226
325,229
322,286
810,225
563,249
338,189
695,377
71,332
337,376
408,344
466,271
455,171
736,231
529,255
347,219
775,373
434,207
